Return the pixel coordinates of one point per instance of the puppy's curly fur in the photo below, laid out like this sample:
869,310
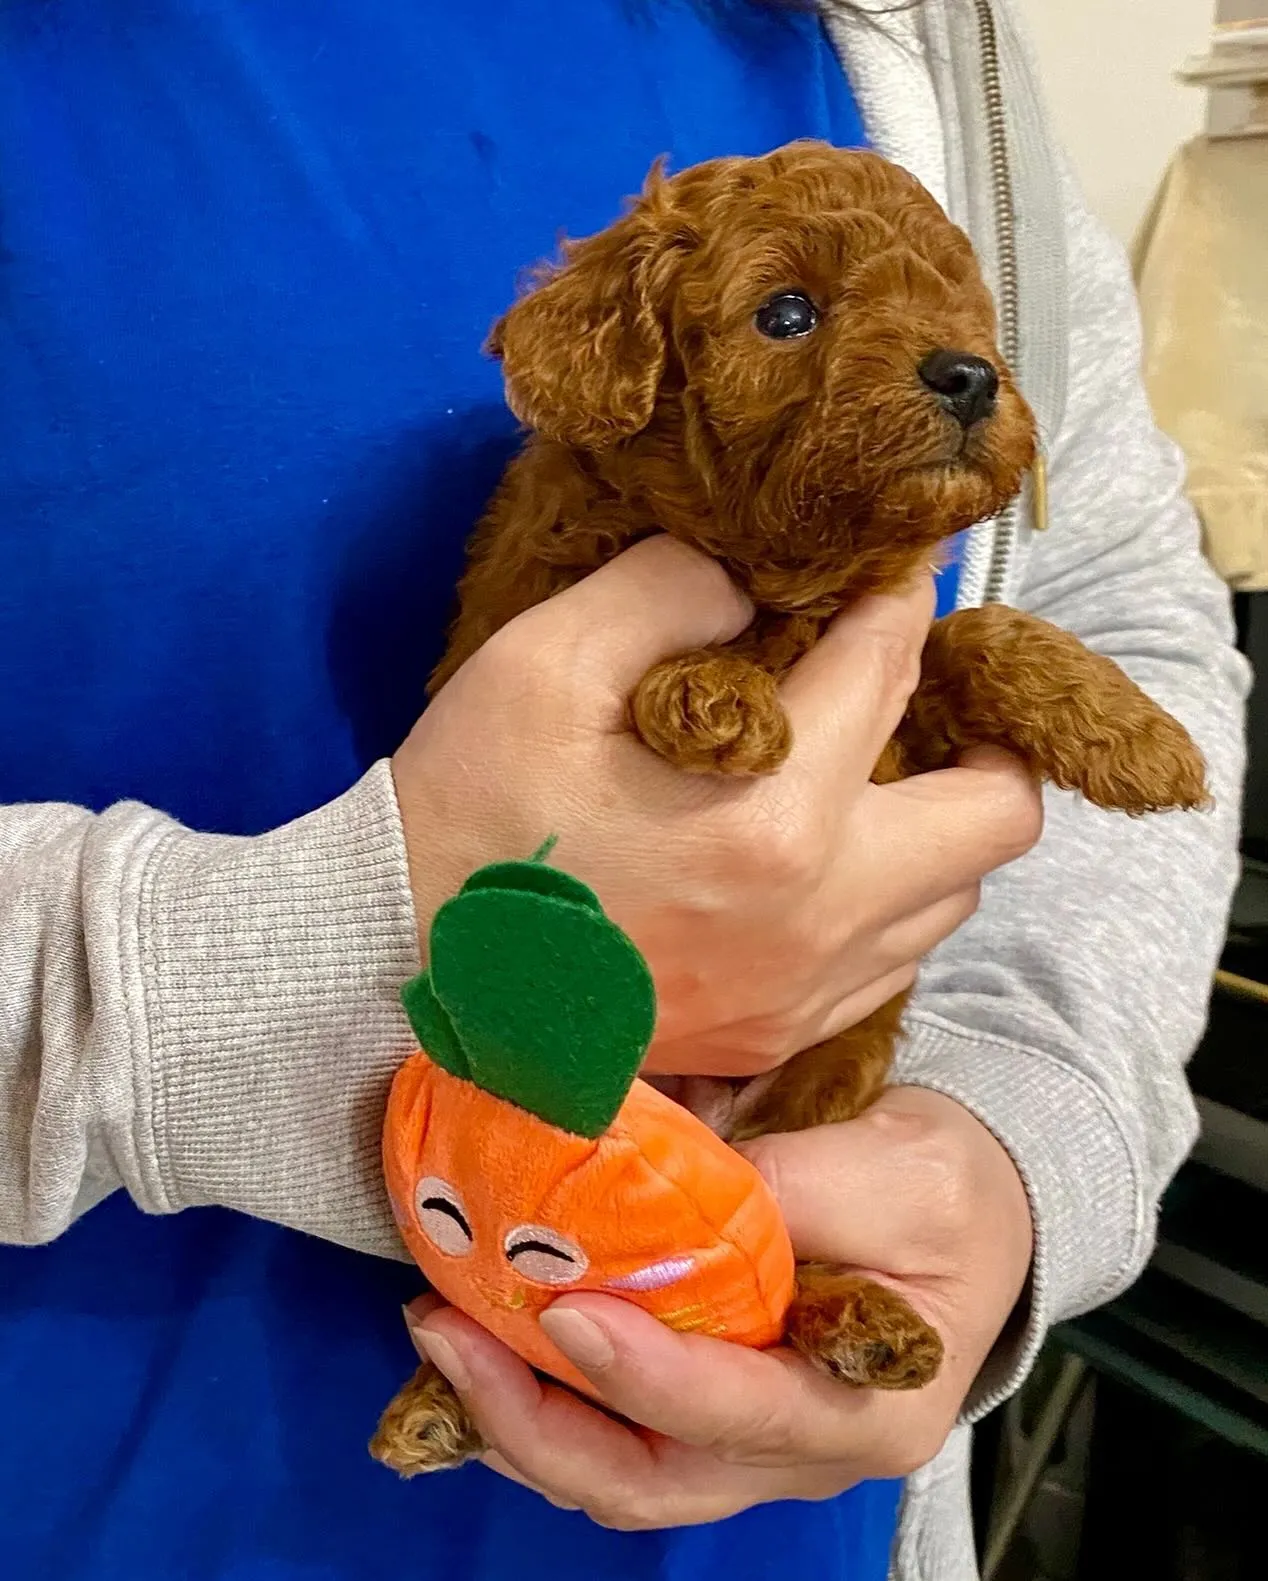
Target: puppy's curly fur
816,469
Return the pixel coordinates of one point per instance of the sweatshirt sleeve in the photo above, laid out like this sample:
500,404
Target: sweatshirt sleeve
1063,1014
202,1019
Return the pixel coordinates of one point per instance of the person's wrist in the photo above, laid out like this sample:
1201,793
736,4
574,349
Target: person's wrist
983,1174
445,837
428,840
268,963
978,1165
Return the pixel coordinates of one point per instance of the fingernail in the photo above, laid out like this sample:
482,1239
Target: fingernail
433,1348
580,1338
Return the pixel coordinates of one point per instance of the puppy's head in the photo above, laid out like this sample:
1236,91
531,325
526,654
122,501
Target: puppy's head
791,360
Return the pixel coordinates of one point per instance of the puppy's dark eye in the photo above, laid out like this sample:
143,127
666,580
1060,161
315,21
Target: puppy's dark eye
787,316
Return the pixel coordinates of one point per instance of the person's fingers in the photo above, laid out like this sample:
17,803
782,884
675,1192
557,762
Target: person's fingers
898,953
857,1006
731,1443
512,1473
419,1308
759,1408
881,1160
864,1001
685,1487
847,695
578,1455
908,1162
515,1411
659,599
940,834
907,941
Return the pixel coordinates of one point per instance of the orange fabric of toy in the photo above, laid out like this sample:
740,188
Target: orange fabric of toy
505,1210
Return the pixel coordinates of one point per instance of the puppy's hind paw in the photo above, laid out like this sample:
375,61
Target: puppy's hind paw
860,1332
425,1428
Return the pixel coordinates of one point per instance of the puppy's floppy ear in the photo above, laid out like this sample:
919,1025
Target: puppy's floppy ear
583,354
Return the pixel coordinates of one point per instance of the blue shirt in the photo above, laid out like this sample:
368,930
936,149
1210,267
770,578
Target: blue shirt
249,250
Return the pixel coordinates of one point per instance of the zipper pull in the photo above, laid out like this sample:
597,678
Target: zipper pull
1039,493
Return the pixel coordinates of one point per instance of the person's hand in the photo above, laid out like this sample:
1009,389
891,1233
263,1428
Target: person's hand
773,912
915,1191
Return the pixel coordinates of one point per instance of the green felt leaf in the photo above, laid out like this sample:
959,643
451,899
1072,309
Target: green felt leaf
552,1005
432,1026
531,876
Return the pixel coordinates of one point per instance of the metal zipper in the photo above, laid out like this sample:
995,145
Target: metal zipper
1007,289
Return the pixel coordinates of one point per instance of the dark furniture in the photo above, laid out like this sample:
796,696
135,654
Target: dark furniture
1141,1446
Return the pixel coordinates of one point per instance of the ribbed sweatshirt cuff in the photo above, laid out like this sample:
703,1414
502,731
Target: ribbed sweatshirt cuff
269,970
1081,1179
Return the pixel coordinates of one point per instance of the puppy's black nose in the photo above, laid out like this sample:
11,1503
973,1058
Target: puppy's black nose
966,386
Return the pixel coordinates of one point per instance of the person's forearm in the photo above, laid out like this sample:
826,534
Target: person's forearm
199,1019
210,1020
1064,1012
69,1107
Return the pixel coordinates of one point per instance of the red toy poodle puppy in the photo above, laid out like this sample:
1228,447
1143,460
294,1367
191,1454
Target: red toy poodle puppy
791,363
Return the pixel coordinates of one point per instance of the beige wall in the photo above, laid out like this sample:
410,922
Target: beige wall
1107,67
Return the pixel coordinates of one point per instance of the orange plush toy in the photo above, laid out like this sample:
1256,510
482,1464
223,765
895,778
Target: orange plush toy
523,1157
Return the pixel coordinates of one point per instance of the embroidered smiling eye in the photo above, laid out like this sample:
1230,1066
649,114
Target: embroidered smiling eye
442,1218
544,1256
787,316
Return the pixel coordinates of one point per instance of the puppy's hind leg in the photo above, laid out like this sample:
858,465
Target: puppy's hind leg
425,1427
860,1332
844,1323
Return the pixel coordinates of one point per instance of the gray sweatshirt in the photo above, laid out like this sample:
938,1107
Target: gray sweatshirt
199,1019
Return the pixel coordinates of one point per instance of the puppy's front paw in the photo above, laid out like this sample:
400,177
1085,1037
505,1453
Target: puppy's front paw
860,1332
425,1427
713,713
1001,677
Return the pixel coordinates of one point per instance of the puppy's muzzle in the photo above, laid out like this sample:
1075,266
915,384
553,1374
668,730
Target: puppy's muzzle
965,386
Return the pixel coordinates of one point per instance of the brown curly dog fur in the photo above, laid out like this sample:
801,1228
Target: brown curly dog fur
817,467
